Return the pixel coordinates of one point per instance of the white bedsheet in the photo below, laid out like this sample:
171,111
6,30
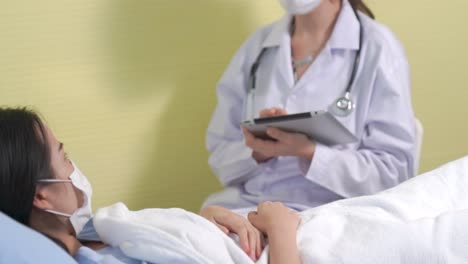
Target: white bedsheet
424,220
166,236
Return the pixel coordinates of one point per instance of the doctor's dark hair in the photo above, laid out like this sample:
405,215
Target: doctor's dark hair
24,159
361,6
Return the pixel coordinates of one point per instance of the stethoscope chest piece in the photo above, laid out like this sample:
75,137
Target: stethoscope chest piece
343,106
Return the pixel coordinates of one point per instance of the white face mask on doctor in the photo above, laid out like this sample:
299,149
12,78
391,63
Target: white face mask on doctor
299,7
81,216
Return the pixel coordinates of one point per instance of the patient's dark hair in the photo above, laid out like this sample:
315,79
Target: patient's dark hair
361,6
24,159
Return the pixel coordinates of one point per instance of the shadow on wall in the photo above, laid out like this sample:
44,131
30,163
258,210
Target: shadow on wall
179,47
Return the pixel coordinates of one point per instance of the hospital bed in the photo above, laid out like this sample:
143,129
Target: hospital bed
19,243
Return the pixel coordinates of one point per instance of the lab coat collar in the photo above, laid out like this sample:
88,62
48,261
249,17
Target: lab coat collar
345,34
279,32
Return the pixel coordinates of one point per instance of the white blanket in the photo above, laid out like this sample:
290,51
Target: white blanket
424,220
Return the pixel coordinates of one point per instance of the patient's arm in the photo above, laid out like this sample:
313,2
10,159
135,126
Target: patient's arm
251,239
280,225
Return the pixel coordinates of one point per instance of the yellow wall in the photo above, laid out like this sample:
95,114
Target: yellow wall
129,85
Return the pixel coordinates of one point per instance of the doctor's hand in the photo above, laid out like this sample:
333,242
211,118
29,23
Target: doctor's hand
268,112
285,144
251,240
275,111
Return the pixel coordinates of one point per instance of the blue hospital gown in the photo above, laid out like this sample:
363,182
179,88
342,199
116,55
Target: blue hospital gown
107,255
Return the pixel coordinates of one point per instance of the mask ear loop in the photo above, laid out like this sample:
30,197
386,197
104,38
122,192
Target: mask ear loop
55,181
57,213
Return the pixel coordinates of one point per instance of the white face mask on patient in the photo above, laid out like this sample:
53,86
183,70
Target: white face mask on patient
81,216
299,7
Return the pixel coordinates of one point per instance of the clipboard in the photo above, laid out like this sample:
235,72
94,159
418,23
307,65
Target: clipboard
321,126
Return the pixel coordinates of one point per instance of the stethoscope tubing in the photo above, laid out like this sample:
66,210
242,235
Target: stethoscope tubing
342,111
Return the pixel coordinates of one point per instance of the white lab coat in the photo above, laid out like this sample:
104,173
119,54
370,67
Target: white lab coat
383,120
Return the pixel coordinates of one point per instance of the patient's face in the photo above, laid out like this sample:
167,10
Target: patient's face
64,196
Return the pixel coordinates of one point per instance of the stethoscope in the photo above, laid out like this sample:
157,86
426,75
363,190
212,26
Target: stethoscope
343,106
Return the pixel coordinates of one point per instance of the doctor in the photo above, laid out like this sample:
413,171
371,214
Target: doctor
322,55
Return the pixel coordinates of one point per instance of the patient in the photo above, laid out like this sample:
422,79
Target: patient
43,189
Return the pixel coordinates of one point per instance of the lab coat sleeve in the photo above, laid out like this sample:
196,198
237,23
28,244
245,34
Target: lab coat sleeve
230,159
386,152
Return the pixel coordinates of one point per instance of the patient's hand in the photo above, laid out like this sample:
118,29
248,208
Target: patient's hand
251,239
274,218
280,224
